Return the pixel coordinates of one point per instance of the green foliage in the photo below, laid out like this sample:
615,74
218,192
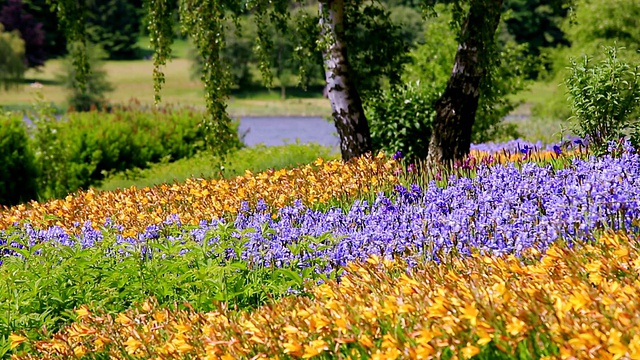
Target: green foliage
254,159
17,163
593,24
80,149
237,55
604,97
11,54
377,50
400,119
72,18
44,286
600,23
428,75
202,20
506,75
411,23
91,94
536,23
114,25
57,176
239,58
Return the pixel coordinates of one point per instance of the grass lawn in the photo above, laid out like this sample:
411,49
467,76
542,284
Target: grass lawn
538,92
132,79
255,159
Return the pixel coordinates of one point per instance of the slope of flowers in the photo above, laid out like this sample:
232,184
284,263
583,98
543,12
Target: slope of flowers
199,199
503,209
579,303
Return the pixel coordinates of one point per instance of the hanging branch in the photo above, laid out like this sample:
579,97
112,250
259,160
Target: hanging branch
161,37
72,15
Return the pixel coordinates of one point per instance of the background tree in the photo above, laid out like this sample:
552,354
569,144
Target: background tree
115,26
55,43
11,58
456,109
14,16
238,55
96,85
401,117
538,24
410,21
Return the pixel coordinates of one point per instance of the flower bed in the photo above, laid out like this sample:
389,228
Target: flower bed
250,241
578,303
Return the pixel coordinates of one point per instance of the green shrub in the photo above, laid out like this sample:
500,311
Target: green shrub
594,24
57,175
17,167
80,149
604,97
400,119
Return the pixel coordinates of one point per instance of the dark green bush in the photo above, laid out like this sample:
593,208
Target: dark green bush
17,167
400,119
78,150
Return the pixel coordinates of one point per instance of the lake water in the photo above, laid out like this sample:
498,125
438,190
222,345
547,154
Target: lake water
282,130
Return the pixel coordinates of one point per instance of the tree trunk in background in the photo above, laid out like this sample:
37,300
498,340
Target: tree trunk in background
348,114
456,108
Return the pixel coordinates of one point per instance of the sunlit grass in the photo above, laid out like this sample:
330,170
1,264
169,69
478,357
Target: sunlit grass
254,159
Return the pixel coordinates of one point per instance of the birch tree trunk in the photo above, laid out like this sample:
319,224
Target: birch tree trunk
348,114
456,108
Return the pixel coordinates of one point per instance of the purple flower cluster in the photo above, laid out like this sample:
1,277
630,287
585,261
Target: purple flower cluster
504,209
526,147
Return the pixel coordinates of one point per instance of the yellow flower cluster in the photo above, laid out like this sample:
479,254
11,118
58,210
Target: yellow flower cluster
198,199
569,304
517,157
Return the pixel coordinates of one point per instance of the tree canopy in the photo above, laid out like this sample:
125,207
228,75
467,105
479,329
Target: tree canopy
11,58
13,16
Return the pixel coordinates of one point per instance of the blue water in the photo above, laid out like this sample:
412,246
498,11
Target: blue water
282,130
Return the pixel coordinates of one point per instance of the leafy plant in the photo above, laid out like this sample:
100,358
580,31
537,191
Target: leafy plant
592,25
56,177
79,149
49,276
400,119
604,97
17,163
